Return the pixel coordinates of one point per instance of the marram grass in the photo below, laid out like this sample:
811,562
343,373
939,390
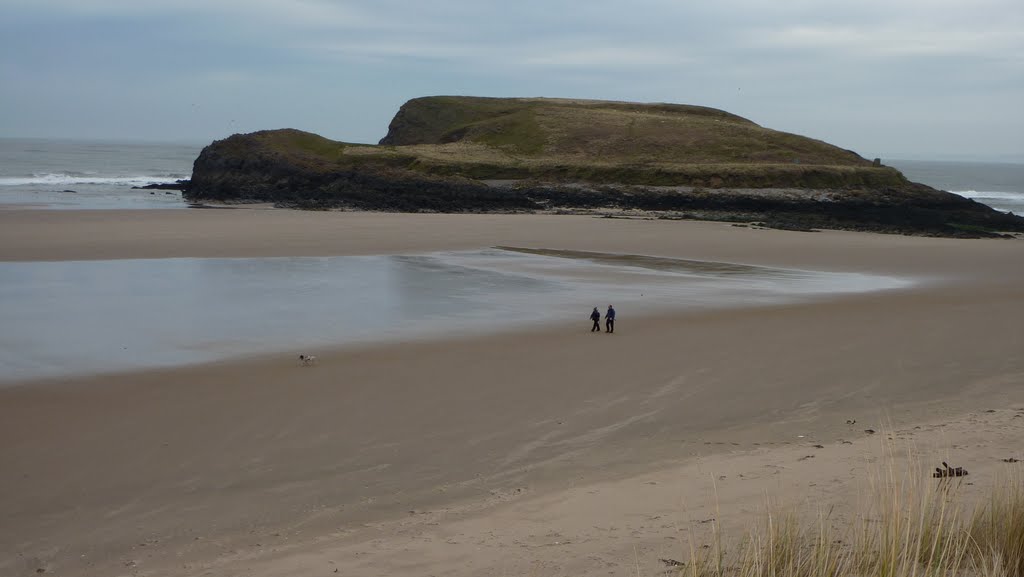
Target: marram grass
997,530
913,526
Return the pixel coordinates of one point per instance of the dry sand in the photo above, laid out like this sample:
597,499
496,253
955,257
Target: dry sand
537,452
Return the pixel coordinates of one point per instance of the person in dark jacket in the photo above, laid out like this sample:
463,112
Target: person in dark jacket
596,317
609,320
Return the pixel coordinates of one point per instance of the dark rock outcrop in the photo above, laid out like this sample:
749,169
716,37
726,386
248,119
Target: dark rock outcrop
176,185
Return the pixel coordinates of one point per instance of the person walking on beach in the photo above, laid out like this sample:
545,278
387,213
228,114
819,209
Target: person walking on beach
609,320
596,317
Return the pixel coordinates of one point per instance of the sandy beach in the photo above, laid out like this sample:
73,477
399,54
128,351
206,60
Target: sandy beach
538,451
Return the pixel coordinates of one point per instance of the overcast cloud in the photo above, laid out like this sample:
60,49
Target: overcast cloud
911,78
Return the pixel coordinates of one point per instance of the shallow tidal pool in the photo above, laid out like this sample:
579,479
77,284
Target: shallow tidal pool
71,317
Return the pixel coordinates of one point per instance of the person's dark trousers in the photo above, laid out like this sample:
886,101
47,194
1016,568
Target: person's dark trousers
596,327
609,325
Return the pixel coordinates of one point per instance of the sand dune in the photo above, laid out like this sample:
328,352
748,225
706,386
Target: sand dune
541,451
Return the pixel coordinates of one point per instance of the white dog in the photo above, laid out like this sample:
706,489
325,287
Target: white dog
307,360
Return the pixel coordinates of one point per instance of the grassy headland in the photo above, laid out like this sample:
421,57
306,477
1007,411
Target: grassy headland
470,154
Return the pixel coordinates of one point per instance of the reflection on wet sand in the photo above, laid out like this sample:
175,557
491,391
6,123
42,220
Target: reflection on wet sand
101,316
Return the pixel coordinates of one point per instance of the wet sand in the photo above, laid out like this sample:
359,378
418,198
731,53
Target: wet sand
536,451
81,317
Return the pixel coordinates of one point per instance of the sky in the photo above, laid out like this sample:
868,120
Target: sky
929,79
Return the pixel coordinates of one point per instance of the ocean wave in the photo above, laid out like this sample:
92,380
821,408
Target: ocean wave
67,179
1002,195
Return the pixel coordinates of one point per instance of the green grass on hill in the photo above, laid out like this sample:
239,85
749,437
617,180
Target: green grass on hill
606,131
579,141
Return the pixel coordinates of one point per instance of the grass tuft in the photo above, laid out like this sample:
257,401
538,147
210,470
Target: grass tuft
914,526
997,530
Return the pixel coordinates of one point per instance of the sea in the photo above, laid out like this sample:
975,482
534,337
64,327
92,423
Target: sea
84,175
85,317
997,184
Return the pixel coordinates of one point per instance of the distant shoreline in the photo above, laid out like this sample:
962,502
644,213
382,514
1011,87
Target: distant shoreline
256,230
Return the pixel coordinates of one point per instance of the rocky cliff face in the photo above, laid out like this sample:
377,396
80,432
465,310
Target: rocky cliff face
446,157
